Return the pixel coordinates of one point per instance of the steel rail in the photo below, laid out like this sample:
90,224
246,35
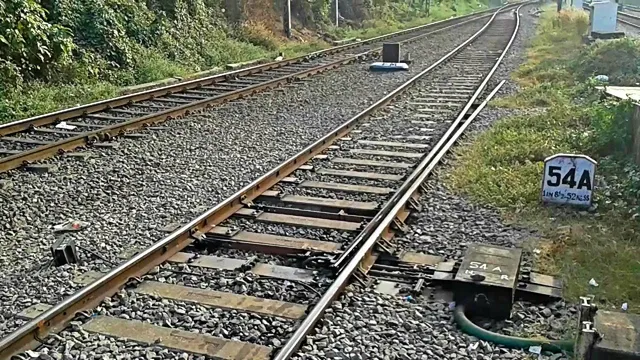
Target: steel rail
14,161
54,319
405,193
629,15
103,105
635,17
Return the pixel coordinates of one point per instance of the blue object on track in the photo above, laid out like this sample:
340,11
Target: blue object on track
382,66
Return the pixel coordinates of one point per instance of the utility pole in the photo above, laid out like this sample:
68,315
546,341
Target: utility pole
288,18
337,15
559,5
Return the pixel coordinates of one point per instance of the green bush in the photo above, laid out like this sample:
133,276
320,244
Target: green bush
609,130
30,47
618,59
112,28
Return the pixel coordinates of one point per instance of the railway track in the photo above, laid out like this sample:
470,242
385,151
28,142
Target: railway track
626,18
41,137
254,274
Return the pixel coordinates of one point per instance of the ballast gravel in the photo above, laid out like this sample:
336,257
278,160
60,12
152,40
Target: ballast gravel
127,194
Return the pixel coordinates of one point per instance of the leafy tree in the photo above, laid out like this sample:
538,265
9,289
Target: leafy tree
30,47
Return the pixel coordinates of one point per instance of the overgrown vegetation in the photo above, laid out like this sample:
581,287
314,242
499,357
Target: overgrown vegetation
504,166
390,16
60,53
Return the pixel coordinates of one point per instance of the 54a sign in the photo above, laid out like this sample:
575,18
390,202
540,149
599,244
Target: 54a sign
568,179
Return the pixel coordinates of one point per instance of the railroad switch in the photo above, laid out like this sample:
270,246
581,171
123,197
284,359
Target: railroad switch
606,335
487,281
490,278
64,252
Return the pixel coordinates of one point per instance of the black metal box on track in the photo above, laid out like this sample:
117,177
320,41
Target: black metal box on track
486,280
391,53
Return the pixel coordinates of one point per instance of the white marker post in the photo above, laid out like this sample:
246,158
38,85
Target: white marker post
337,15
289,18
568,179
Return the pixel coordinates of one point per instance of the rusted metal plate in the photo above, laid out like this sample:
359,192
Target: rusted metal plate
412,137
330,203
171,227
545,280
33,311
428,116
410,155
440,96
129,252
181,257
180,340
25,140
359,174
283,272
277,240
446,266
247,212
88,277
222,300
271,193
534,289
364,162
619,335
207,261
308,221
435,111
9,152
275,271
419,258
439,275
393,144
498,265
346,187
434,103
387,287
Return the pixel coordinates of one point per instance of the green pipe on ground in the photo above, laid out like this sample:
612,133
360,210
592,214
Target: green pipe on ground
554,346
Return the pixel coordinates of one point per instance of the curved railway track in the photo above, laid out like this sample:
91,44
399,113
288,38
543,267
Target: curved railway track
40,137
309,224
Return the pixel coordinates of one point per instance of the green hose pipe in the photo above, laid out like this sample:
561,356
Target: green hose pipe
470,328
